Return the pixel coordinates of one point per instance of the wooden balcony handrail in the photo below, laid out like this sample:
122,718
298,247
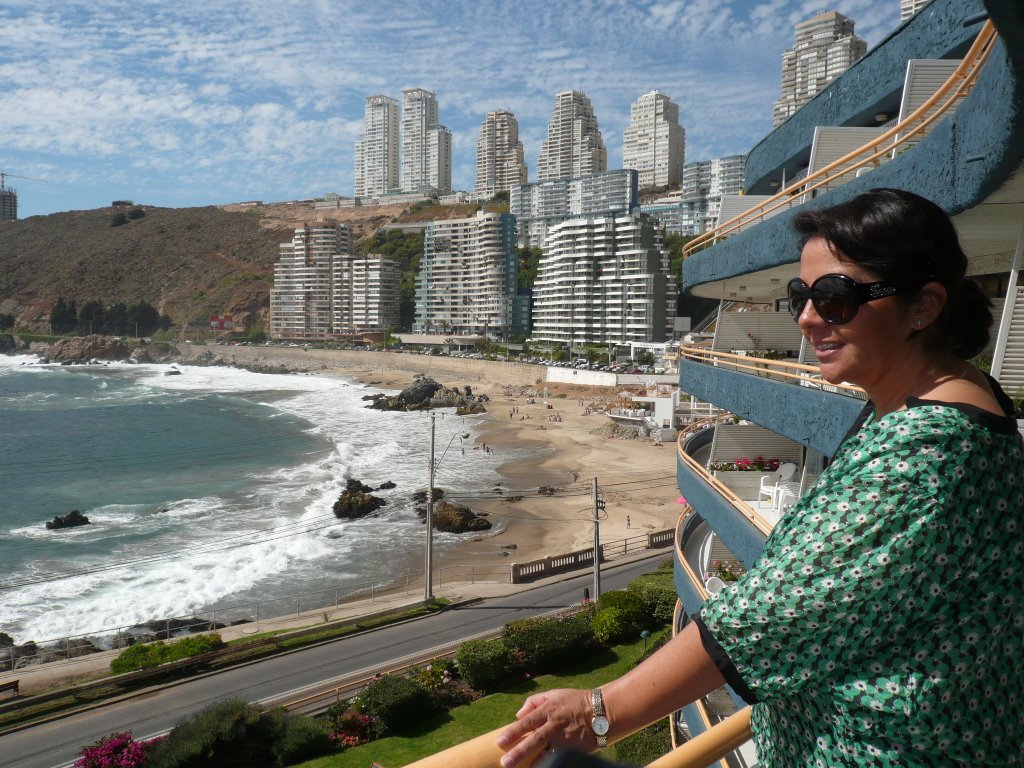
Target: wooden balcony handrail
956,88
692,575
738,504
712,745
798,372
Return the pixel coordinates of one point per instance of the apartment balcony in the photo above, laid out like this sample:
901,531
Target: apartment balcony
783,396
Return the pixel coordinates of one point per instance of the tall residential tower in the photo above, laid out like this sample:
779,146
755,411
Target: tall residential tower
426,145
574,146
909,7
499,154
824,48
654,143
377,148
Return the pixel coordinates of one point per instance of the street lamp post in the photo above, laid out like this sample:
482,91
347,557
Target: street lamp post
428,564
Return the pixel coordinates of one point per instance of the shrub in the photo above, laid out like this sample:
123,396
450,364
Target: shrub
302,738
394,703
228,734
145,656
610,625
486,664
657,592
547,644
632,611
118,750
350,728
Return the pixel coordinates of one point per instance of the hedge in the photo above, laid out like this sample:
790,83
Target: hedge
486,664
144,656
547,644
657,591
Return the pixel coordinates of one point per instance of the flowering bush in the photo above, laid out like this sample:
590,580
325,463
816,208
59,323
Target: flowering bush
118,750
726,571
757,464
351,729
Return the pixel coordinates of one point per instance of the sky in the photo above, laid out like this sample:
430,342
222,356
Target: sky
183,103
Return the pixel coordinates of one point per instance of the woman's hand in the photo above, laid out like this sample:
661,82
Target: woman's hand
548,721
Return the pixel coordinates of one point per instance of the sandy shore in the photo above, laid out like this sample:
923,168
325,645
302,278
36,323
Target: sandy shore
636,478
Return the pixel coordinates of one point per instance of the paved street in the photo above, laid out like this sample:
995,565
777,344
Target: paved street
57,743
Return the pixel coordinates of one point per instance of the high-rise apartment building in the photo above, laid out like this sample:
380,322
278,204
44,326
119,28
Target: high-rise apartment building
604,280
574,146
539,206
500,163
302,301
825,46
426,145
367,293
8,204
654,142
695,208
909,7
377,148
469,278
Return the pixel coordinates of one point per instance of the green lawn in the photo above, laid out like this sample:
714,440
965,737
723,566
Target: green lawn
471,720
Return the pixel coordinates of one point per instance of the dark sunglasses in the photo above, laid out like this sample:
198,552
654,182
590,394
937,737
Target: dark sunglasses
836,298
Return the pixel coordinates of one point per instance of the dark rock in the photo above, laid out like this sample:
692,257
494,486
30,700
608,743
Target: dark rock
6,641
356,486
352,505
467,390
72,519
510,546
140,355
10,344
546,490
420,497
456,518
172,372
514,499
470,409
386,486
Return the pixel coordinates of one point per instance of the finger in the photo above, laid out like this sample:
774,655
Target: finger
529,705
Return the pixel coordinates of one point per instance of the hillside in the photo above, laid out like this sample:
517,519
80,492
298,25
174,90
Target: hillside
187,262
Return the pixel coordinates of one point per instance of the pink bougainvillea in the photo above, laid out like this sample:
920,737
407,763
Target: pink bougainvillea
118,750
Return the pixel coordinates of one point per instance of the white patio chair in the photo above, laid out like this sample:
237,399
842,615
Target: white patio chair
771,484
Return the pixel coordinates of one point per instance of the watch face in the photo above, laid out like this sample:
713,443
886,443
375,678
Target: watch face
600,725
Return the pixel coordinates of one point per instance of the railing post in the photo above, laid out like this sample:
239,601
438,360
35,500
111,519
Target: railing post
67,648
297,598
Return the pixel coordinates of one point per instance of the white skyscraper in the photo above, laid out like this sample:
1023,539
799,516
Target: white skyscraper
302,301
377,148
909,7
426,145
574,146
824,48
654,143
366,290
499,154
604,280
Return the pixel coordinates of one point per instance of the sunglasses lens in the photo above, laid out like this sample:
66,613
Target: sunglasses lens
835,299
799,293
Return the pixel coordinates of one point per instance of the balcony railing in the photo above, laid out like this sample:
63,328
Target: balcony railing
779,370
872,154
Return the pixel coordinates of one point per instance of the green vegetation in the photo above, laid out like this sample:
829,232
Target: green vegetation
469,721
394,702
147,655
407,249
529,262
6,322
120,319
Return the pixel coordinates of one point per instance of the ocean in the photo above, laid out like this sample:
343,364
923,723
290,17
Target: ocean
206,489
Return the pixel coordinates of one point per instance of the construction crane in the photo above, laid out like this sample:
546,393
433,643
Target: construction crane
4,175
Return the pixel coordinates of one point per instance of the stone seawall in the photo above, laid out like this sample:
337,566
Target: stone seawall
298,359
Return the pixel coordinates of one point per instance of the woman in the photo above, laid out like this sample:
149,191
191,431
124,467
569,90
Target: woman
883,623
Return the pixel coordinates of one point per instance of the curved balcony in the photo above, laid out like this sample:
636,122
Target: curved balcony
967,164
763,391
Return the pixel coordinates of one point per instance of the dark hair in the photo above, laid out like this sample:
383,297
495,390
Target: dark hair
905,239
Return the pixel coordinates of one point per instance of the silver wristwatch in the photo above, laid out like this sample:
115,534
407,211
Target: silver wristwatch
600,723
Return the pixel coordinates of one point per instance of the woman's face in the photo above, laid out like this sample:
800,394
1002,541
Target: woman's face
868,349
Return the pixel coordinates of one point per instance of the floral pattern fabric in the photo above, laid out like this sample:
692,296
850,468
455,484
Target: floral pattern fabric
883,623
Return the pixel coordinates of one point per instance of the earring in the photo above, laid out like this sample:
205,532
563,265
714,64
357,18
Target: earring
917,323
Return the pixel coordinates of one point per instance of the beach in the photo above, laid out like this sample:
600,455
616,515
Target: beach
560,447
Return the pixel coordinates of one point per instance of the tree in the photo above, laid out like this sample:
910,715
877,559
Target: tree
92,317
136,213
645,357
116,319
674,244
63,316
6,321
529,262
142,319
118,219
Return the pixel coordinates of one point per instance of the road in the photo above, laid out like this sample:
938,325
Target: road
57,743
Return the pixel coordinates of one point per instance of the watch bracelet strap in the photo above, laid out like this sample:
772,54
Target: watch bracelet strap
597,703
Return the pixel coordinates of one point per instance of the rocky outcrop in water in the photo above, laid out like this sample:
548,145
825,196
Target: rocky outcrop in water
83,349
356,501
456,518
72,519
425,393
11,344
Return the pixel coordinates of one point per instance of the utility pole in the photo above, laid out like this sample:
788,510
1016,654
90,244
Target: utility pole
598,506
428,586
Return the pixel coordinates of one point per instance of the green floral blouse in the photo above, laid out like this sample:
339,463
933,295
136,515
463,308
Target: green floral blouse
883,624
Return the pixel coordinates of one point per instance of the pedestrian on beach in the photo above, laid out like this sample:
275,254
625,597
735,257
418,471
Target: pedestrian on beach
882,623
629,522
